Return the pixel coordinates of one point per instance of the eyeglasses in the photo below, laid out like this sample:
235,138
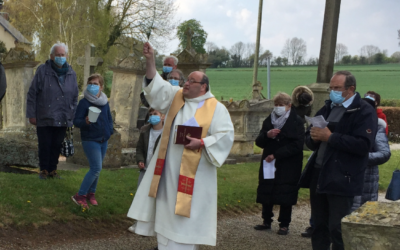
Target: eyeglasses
371,95
193,81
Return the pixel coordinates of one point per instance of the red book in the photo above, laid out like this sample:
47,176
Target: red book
182,131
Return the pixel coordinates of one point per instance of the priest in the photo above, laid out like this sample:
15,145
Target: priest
177,198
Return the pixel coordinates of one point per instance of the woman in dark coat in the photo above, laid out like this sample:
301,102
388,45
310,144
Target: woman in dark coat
282,138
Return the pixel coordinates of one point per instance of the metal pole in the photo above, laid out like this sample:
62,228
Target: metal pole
257,52
268,77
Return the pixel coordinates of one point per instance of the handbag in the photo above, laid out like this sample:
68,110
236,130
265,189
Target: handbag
393,191
67,146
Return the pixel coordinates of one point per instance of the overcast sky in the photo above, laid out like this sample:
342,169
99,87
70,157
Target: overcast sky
362,22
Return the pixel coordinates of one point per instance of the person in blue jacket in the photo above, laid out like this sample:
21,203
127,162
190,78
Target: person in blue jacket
94,136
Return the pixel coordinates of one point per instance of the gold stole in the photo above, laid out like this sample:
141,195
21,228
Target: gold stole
190,158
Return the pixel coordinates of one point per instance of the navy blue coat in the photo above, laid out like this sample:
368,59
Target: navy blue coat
99,131
346,156
49,102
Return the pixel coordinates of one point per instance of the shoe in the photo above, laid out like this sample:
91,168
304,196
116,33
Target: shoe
80,200
43,174
263,227
283,231
308,232
92,199
53,174
132,228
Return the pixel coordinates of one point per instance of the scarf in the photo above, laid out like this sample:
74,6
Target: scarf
279,122
60,71
98,101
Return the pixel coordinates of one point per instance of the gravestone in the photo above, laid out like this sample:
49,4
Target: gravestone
189,60
247,118
327,54
375,225
89,62
18,140
125,98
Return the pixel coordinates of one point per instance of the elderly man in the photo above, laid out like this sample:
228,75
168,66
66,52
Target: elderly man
169,63
177,199
335,171
51,105
176,78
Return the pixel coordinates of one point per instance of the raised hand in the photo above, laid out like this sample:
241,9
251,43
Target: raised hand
148,51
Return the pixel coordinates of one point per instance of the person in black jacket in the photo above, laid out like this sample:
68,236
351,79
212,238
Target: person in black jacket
335,171
282,138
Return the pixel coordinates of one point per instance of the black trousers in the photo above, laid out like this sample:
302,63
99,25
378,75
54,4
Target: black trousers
50,140
285,214
327,212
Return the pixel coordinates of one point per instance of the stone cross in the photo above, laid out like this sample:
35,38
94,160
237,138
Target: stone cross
89,62
189,35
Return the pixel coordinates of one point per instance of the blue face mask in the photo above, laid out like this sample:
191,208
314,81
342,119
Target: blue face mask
93,89
60,60
336,97
154,119
174,82
166,69
369,97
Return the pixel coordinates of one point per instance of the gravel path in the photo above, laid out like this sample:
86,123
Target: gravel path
233,233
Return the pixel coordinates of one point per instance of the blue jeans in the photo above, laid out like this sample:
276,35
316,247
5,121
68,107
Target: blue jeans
95,152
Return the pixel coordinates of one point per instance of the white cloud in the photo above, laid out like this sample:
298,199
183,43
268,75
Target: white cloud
362,22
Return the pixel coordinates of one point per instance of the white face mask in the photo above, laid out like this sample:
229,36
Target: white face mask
279,110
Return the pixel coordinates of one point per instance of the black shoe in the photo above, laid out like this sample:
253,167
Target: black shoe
53,174
283,231
308,232
263,227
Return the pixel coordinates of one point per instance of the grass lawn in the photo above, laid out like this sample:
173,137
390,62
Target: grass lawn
236,82
26,200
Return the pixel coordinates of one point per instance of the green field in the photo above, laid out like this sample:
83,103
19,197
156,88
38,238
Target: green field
236,82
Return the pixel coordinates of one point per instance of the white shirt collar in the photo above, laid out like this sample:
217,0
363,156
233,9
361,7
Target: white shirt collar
349,101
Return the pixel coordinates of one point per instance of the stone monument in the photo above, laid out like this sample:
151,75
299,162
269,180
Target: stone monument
189,60
327,54
89,62
18,141
125,98
373,226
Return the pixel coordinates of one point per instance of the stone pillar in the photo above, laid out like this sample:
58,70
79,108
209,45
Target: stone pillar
327,53
189,61
19,77
125,99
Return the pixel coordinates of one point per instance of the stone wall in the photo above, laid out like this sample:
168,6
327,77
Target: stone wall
113,155
376,225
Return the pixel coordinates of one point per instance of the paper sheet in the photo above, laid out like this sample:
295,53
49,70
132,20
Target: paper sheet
191,122
269,169
317,121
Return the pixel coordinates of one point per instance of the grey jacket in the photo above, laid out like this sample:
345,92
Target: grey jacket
51,103
3,82
378,156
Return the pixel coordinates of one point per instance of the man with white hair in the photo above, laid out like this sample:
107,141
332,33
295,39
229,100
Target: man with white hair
169,63
51,103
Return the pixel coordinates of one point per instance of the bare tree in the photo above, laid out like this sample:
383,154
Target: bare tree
341,50
399,36
210,46
237,52
369,51
295,50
